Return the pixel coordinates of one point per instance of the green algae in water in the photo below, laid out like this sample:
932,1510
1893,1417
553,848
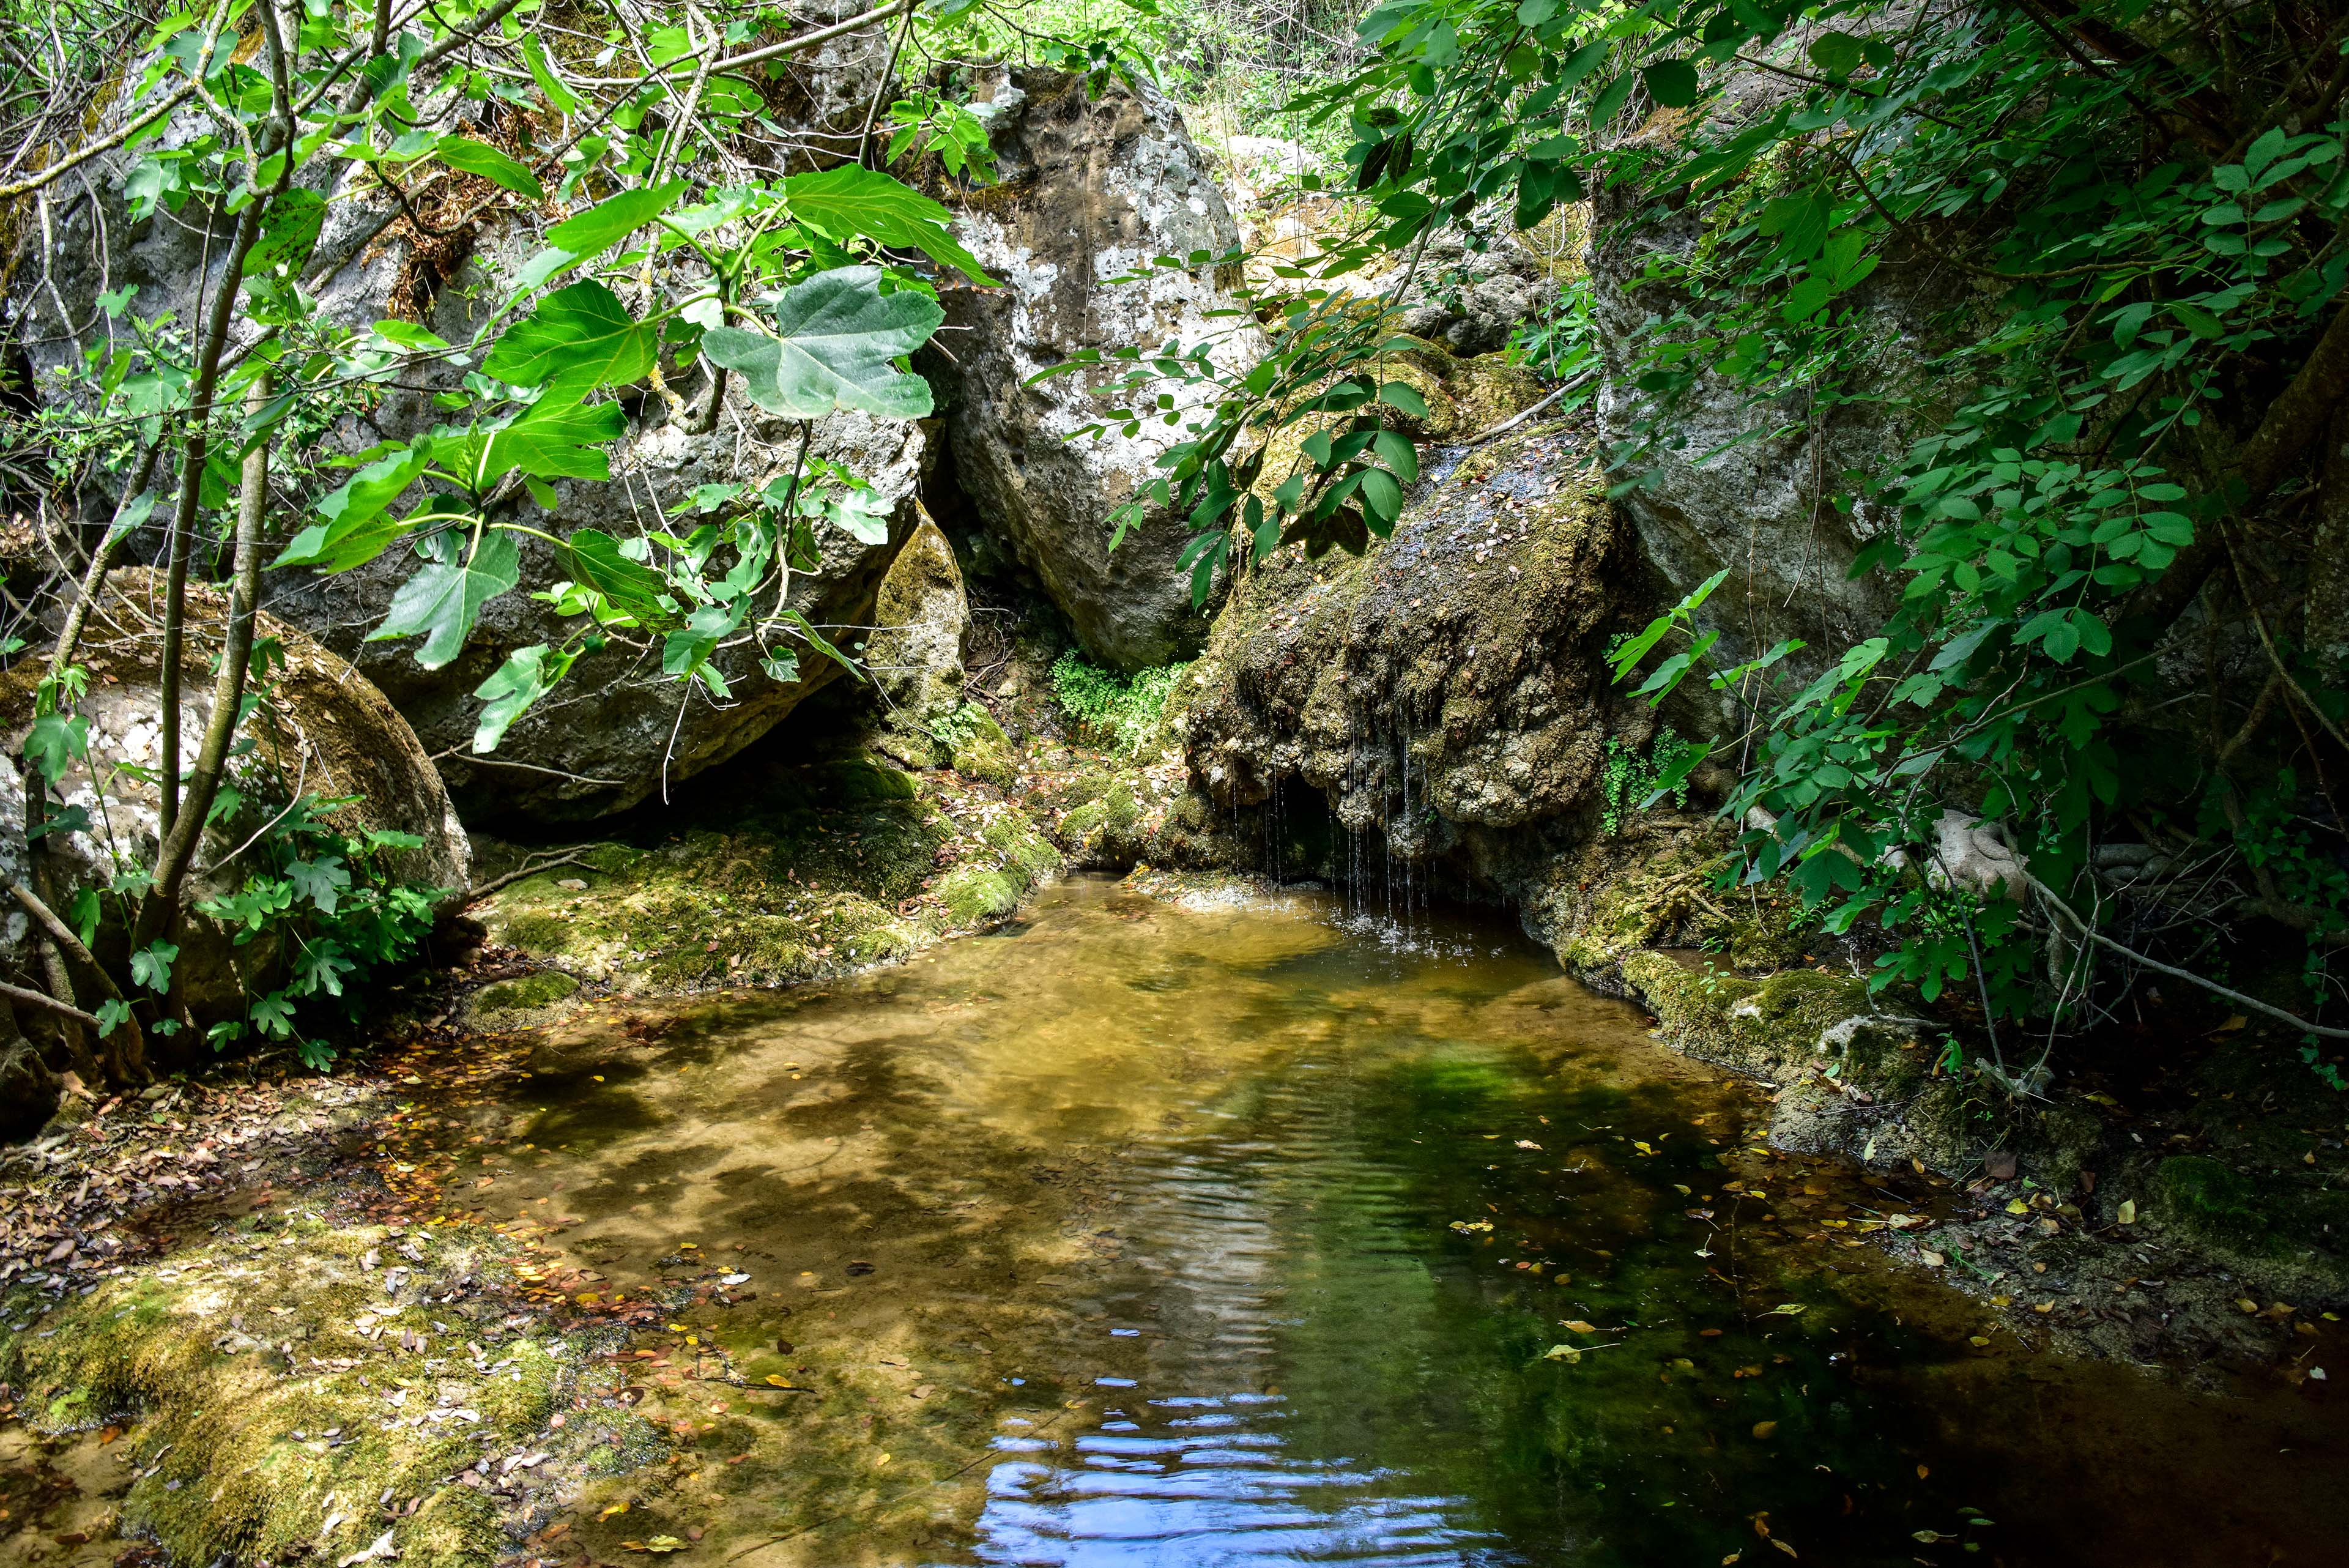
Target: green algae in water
1225,1235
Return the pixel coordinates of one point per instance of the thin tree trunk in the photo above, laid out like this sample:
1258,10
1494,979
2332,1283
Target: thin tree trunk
159,914
192,487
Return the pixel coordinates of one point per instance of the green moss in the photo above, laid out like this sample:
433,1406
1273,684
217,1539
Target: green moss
524,992
984,752
196,1348
2209,1201
973,893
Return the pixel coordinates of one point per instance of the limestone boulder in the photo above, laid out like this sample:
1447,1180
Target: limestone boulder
321,730
1446,692
1092,190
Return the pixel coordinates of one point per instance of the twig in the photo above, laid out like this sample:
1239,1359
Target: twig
484,889
1514,421
46,1002
2213,986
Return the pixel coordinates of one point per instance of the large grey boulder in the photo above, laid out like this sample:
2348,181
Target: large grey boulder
320,729
617,730
1092,189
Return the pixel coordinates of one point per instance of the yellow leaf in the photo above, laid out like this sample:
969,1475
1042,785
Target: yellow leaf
2247,1303
616,1508
666,1543
1564,1352
1578,1327
1977,1341
2017,1205
2128,1211
1765,1428
880,1459
1784,1547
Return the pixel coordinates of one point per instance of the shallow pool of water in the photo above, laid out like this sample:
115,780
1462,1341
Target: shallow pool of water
1148,1234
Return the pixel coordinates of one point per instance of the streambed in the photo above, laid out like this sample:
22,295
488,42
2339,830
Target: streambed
1241,1233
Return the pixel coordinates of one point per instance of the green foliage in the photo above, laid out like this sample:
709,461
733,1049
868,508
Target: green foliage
2150,224
1125,709
326,908
834,343
1629,780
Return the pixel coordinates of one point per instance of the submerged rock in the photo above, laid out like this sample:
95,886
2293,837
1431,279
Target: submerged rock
1093,189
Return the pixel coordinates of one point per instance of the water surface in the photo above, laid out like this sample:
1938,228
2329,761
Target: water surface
1147,1234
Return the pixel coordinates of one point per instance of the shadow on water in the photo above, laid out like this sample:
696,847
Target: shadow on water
1223,1236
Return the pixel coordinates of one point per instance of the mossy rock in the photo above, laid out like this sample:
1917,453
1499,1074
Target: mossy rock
1640,897
2213,1204
986,755
501,1004
1818,1034
222,1405
975,894
861,781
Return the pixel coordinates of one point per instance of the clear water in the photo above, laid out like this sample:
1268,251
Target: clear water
1140,1234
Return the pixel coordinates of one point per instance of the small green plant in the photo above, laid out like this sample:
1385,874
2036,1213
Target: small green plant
1124,710
1631,781
960,728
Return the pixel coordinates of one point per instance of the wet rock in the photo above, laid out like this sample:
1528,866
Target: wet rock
1853,1078
1446,690
1092,189
322,731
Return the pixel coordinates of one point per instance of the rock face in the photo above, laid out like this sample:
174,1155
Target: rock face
323,730
1092,189
1722,492
1446,692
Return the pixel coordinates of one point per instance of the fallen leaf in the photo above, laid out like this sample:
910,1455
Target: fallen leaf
1578,1327
1528,1143
1784,1547
379,1548
666,1543
2127,1213
1977,1340
616,1508
1765,1428
1564,1352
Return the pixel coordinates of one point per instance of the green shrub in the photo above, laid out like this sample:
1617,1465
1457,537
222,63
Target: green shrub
1125,711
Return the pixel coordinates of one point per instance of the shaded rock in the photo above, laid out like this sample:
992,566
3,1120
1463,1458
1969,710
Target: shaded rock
1091,190
322,730
915,655
1744,485
1853,1078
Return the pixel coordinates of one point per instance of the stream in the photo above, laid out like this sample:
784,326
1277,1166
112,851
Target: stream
1251,1232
